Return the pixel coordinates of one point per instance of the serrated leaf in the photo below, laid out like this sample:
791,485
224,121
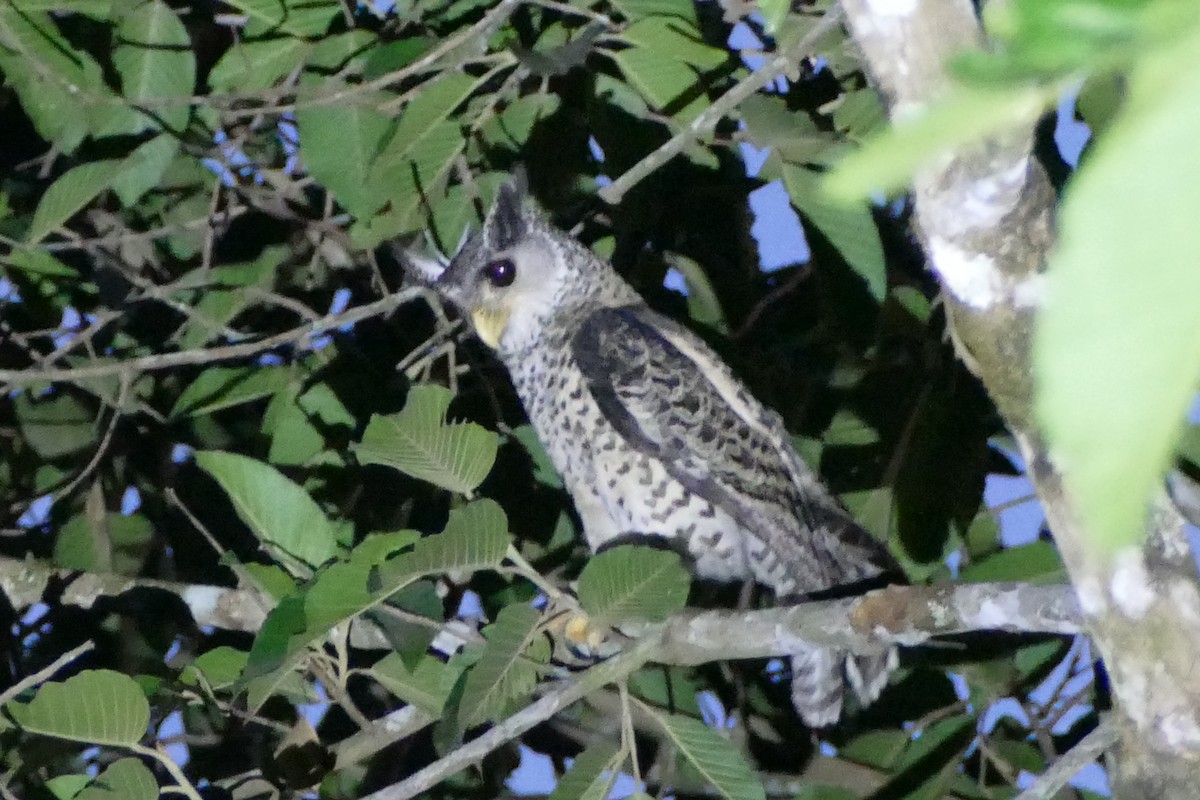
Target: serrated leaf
97,706
591,776
124,779
154,58
279,512
475,537
631,582
427,686
500,675
72,191
1117,350
418,442
714,757
224,387
850,229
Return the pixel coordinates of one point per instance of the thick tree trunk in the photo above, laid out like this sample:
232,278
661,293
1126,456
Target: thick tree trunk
985,217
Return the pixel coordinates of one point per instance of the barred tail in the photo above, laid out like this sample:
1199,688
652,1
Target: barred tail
820,675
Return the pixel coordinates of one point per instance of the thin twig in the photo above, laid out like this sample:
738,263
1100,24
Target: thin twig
46,673
612,670
116,366
1068,765
783,62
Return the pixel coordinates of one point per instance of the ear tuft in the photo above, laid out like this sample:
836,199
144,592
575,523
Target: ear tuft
505,224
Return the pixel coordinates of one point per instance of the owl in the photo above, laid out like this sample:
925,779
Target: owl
652,433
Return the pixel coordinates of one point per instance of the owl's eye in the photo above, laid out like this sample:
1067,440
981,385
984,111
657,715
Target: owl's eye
500,273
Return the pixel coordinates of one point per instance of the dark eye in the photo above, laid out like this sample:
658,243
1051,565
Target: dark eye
500,273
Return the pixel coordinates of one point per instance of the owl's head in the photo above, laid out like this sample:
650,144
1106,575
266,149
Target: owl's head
513,276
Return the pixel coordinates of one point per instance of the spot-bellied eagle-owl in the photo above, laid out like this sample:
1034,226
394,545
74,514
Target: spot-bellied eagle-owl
652,433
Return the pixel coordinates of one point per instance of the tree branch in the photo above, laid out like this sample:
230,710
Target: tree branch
116,366
783,62
1102,737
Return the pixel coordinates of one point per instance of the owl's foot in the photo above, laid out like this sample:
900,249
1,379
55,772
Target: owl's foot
585,639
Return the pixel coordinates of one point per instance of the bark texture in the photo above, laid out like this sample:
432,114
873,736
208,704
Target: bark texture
985,217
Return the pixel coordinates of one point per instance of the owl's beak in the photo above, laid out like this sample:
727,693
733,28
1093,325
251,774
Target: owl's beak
490,323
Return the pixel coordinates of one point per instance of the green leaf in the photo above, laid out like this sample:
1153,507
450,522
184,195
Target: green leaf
476,537
703,304
887,162
714,757
676,40
543,468
251,66
500,676
592,775
38,263
427,686
295,17
48,74
56,425
631,582
129,539
220,666
124,779
640,9
154,58
850,229
97,706
224,387
418,442
1117,349
340,144
1036,562
63,787
72,191
659,78
144,168
278,511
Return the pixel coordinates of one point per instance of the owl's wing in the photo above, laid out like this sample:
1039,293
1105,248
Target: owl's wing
669,396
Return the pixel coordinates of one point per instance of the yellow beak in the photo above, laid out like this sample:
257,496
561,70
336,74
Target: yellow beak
490,324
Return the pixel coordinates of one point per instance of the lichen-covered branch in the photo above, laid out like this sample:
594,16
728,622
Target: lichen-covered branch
985,215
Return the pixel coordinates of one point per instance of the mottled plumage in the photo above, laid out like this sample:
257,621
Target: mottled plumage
653,434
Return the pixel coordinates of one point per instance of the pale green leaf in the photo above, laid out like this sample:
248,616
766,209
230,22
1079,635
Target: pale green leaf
640,9
887,162
850,229
54,425
500,675
418,442
154,58
659,78
220,667
62,787
97,706
1117,346
339,144
38,263
773,12
674,39
592,775
72,191
251,66
427,686
631,582
279,512
476,537
224,387
714,757
144,168
124,779
1036,562
296,17
703,304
